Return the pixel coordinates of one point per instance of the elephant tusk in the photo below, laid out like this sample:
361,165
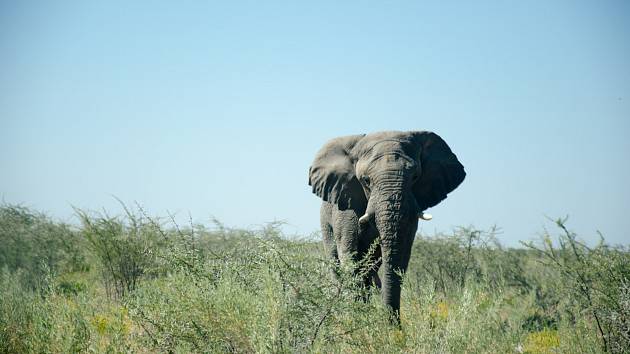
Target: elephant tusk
421,214
364,219
425,216
369,213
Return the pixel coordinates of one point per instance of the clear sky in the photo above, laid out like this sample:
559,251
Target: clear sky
217,108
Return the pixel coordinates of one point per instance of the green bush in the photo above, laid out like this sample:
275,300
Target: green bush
37,245
594,283
469,255
50,321
263,293
166,288
124,246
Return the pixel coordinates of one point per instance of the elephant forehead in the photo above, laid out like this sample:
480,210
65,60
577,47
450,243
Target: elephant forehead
400,146
386,145
386,154
391,160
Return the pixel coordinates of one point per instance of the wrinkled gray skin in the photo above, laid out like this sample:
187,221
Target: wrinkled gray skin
376,186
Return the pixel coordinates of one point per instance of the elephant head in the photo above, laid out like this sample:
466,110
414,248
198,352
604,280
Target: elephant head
390,178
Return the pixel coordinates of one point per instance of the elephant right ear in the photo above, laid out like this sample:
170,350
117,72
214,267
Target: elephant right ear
332,173
441,170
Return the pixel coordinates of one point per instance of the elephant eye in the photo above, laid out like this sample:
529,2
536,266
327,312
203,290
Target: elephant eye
365,180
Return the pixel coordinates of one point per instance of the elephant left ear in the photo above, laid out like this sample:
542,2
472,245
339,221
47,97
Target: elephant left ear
332,173
441,171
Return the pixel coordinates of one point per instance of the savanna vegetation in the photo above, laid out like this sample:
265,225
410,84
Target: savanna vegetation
137,283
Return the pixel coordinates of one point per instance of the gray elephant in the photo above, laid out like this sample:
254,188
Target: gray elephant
376,186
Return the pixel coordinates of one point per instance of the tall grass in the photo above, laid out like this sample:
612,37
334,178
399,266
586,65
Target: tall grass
595,281
136,283
123,246
35,244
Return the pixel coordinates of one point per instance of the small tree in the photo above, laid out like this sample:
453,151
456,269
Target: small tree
597,279
32,242
123,245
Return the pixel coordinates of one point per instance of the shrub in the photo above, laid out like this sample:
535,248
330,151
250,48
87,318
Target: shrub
37,245
595,283
216,289
264,293
48,321
123,245
468,254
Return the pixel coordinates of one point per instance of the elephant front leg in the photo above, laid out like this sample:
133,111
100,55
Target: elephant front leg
346,234
330,246
328,235
371,263
368,260
370,249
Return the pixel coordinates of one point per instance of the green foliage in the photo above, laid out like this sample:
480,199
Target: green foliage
594,282
450,260
472,255
124,247
166,288
263,294
30,241
50,321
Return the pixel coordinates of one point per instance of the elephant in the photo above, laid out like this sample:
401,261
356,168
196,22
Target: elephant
374,189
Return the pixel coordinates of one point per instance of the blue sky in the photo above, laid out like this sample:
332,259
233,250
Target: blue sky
217,108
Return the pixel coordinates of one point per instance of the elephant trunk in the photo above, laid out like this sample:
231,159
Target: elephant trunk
396,220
